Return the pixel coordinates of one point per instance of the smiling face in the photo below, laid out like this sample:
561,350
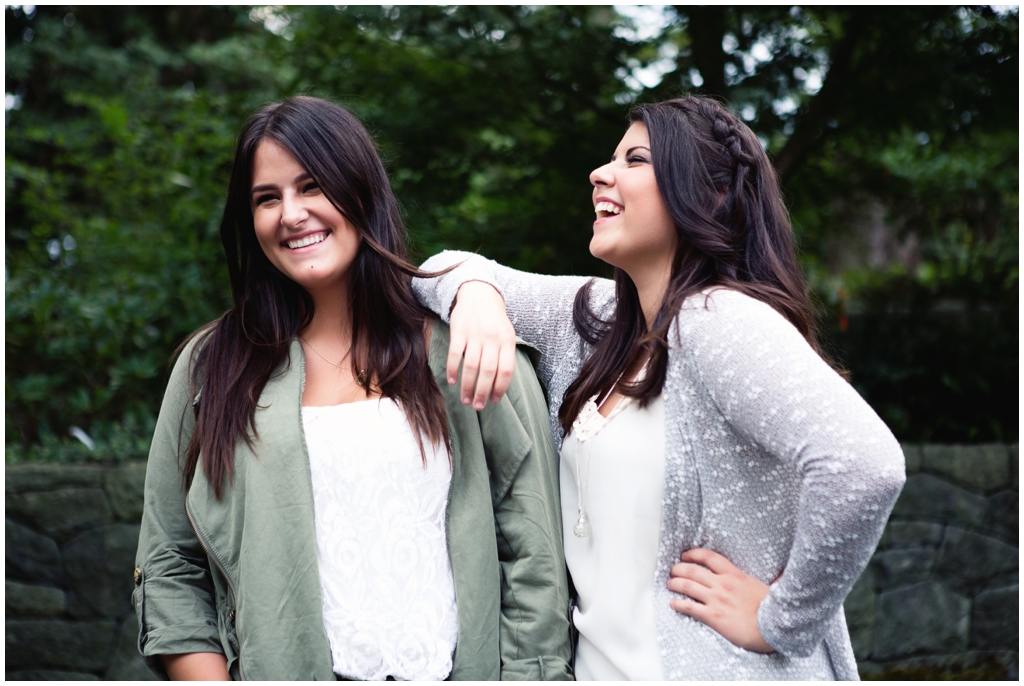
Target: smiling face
633,229
300,231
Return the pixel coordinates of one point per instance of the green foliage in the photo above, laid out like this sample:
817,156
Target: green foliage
900,167
114,180
491,117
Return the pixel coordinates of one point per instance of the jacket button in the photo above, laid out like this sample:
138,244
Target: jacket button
231,616
138,576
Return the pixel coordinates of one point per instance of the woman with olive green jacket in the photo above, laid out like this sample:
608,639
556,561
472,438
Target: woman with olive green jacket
239,575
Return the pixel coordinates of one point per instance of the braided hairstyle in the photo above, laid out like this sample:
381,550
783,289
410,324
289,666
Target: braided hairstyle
733,231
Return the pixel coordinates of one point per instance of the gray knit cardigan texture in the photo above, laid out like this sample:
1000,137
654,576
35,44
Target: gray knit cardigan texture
771,459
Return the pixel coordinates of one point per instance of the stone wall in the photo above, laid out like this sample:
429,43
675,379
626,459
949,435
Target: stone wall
939,598
71,535
940,595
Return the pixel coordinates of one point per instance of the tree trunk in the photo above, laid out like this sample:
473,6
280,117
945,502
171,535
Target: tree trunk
707,29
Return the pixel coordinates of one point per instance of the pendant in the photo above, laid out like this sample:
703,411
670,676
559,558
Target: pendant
582,527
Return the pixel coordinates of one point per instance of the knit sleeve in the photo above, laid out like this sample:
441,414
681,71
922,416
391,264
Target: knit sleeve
539,306
776,392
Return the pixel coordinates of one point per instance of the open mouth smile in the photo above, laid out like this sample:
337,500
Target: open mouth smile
307,240
606,209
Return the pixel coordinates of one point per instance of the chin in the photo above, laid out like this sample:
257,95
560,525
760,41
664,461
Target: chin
603,254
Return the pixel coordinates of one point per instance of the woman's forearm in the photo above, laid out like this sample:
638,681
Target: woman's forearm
196,667
540,307
775,392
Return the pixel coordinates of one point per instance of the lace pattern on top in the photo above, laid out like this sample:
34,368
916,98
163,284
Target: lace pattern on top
388,591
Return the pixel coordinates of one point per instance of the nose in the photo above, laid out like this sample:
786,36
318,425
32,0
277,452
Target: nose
602,176
293,211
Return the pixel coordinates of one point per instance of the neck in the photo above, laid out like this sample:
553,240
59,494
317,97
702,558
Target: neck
651,282
332,316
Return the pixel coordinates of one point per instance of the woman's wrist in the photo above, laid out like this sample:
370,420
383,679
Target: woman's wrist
476,292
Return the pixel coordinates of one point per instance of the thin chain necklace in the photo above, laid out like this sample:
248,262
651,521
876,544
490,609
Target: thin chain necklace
322,357
360,374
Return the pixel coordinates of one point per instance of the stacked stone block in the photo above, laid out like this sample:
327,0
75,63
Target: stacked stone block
940,597
71,535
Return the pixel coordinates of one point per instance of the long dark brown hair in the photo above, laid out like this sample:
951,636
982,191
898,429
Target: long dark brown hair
732,229
239,351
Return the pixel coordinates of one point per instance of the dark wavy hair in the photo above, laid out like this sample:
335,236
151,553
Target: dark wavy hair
240,350
733,231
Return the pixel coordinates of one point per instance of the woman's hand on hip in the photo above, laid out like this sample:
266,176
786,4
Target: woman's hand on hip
482,334
721,596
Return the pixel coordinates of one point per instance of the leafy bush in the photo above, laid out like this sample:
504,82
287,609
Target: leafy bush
902,178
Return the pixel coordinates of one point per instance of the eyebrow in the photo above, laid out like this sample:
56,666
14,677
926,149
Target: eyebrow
272,187
630,151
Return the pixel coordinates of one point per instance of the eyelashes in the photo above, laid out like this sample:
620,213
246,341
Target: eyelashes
309,187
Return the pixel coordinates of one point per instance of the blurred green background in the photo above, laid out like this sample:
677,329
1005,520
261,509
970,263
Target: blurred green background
894,131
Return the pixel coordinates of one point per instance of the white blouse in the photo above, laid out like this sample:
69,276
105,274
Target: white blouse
622,476
388,592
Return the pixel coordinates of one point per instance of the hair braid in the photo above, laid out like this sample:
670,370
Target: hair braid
727,133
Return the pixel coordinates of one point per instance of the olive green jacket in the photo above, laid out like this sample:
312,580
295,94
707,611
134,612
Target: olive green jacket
239,576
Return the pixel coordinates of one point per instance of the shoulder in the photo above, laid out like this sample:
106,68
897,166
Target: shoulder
180,387
602,294
187,353
724,302
720,328
717,310
437,335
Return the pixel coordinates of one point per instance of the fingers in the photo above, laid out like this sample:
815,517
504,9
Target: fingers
506,367
486,376
470,368
483,341
691,588
719,564
487,371
691,608
685,570
456,348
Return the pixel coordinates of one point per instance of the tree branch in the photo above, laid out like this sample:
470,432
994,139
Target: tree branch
811,126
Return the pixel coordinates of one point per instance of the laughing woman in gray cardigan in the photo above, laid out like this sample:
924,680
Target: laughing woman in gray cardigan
693,414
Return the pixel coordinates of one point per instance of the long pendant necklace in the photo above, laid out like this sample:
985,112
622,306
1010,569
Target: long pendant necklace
587,425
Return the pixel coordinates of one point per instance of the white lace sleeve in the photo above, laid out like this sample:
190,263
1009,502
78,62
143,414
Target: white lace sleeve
776,392
539,306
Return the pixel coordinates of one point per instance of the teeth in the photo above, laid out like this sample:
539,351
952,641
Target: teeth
308,240
610,208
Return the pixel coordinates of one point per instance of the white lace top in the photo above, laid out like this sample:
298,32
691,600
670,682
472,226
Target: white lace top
388,592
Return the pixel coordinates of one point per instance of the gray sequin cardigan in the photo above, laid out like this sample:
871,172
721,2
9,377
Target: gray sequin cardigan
771,459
